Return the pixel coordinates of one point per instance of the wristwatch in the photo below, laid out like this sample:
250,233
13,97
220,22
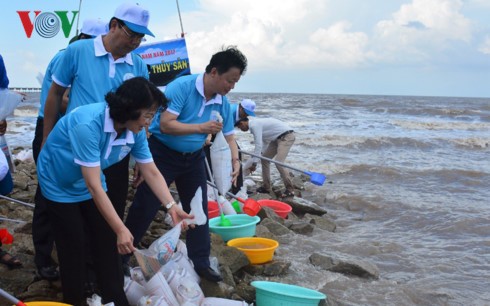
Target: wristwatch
169,205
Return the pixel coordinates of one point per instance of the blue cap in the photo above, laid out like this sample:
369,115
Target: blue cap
248,106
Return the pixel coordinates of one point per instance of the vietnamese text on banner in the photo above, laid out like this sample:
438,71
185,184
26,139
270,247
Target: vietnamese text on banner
166,60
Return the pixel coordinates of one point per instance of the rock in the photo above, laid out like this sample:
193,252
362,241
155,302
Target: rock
233,258
323,222
301,227
235,267
348,266
276,268
267,212
303,206
275,227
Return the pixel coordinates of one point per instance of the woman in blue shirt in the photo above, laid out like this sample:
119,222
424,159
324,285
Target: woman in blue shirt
82,144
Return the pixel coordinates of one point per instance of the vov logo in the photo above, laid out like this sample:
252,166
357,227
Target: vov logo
47,24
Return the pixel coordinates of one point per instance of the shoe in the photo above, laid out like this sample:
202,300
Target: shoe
262,190
48,273
209,274
90,289
11,261
287,194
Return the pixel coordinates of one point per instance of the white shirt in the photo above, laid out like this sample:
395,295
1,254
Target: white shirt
4,166
264,131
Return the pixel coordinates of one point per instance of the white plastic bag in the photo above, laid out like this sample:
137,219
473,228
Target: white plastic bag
96,300
158,286
133,290
221,159
8,154
152,301
226,206
159,252
196,209
9,101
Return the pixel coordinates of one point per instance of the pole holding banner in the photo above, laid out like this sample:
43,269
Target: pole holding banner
180,19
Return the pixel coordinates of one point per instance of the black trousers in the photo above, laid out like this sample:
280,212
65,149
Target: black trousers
42,236
76,225
188,172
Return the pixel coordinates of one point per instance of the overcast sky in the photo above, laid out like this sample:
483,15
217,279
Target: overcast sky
382,47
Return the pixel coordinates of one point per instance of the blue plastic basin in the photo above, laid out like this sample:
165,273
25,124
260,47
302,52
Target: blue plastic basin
242,225
278,294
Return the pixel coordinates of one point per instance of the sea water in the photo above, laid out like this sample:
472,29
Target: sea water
408,185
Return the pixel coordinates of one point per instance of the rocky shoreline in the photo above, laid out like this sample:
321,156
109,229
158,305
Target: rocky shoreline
237,272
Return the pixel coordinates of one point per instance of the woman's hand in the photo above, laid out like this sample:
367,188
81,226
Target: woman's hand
125,241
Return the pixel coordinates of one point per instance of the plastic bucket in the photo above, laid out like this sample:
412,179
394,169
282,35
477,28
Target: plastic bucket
242,225
213,209
251,207
214,301
258,250
278,294
280,208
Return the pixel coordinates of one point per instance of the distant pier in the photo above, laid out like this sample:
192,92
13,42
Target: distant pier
26,89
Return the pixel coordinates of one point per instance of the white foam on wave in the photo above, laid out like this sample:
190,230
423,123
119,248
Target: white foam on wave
475,142
432,125
26,112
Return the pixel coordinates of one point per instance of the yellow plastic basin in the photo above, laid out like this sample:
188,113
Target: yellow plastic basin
258,250
46,303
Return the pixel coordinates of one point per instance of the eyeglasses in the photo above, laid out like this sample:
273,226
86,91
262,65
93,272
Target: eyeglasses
131,35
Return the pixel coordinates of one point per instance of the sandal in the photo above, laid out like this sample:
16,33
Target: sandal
262,190
11,261
287,194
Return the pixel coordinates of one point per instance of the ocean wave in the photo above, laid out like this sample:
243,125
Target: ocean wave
420,125
26,111
474,142
362,142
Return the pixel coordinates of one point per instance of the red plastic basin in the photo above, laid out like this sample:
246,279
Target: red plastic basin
213,209
281,209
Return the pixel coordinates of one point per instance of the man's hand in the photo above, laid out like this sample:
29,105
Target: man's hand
211,127
253,167
236,171
178,214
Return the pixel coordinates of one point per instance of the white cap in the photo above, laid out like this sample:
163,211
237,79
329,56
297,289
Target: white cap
249,106
94,27
135,17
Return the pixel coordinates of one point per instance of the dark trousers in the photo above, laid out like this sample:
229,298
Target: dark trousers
72,222
188,172
42,237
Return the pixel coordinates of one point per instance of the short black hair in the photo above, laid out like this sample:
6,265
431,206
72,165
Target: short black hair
227,58
133,96
241,120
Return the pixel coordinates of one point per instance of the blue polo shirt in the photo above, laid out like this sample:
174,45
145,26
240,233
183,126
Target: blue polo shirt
234,113
84,137
48,79
92,71
4,80
188,103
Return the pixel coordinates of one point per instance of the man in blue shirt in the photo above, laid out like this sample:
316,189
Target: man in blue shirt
93,67
176,144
